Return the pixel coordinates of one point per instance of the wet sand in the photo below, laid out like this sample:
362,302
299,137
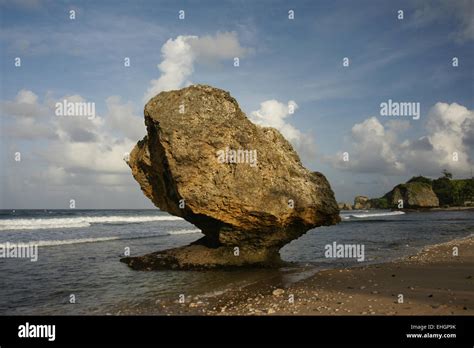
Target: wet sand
433,282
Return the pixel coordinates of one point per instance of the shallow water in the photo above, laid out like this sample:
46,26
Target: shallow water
79,252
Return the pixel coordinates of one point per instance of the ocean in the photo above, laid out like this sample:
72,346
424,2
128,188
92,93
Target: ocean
79,253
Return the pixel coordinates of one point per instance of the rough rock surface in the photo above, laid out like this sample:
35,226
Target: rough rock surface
344,206
247,210
361,203
414,195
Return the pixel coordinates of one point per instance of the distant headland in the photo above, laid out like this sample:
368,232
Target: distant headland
421,193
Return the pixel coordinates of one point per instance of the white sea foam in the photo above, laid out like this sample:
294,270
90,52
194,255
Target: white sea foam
77,222
45,243
388,213
184,231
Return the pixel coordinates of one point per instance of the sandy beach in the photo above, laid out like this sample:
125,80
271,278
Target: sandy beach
433,282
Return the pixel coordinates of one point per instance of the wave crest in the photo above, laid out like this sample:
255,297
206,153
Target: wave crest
77,222
389,213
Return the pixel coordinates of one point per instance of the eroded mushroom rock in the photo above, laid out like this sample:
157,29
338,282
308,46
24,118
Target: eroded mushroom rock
243,185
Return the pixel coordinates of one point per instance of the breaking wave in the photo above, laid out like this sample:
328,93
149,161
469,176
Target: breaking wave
184,231
45,243
369,215
77,222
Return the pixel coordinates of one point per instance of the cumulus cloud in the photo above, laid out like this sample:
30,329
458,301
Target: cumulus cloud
377,148
25,104
26,97
104,156
176,67
122,118
373,149
180,54
273,113
24,115
74,129
450,135
72,146
221,46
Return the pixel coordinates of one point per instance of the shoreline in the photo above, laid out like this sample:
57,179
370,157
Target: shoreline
421,210
415,210
432,282
452,209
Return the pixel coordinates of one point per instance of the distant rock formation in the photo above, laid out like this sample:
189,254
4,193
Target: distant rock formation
361,203
413,195
344,206
243,185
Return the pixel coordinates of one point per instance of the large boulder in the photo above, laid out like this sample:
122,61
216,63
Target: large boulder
361,203
413,194
243,185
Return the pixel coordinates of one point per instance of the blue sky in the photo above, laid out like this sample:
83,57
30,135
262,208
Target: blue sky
281,60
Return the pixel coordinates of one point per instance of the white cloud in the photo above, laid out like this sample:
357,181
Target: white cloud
69,148
176,67
273,113
25,104
375,148
450,130
28,128
24,117
180,54
103,156
75,129
27,97
122,118
221,46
